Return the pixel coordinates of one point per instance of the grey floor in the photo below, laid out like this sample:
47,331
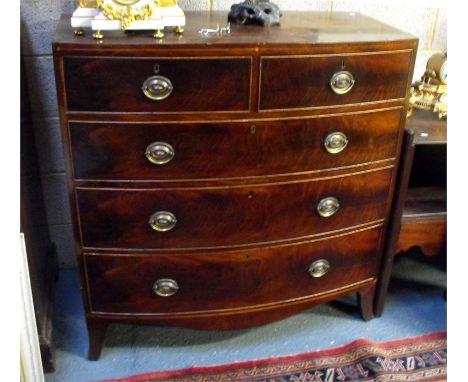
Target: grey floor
415,306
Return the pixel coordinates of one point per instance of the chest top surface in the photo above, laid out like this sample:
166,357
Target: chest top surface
297,28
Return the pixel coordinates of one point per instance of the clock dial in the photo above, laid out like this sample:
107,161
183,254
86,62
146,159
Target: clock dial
126,2
443,72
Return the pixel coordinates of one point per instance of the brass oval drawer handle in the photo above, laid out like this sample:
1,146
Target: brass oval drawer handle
165,287
159,153
319,268
162,221
342,82
336,142
157,88
328,207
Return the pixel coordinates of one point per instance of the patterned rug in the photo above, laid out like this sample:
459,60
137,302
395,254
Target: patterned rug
413,359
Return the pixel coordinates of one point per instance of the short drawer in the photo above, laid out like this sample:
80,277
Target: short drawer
164,152
177,284
306,81
226,217
157,85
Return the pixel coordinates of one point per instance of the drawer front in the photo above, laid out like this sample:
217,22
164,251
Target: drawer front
229,216
200,283
195,85
108,151
304,82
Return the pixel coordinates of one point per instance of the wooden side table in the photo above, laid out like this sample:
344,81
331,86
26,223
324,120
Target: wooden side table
419,215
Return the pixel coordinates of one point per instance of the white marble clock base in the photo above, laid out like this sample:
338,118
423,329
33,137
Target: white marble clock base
95,19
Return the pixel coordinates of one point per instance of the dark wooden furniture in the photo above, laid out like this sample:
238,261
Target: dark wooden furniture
258,187
42,263
424,219
419,216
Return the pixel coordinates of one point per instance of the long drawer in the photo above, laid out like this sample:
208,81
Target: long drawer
328,80
157,85
228,216
177,284
163,151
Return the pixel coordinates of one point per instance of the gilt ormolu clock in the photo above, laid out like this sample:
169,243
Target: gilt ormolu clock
104,15
430,93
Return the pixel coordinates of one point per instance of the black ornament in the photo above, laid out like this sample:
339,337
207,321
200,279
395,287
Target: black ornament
255,12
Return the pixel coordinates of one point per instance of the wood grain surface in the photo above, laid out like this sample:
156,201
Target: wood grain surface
116,151
305,30
304,82
224,281
115,84
228,216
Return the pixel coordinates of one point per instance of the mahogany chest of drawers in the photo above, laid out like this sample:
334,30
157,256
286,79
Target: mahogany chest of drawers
227,181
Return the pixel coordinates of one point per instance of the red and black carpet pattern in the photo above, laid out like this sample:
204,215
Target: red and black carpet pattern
415,359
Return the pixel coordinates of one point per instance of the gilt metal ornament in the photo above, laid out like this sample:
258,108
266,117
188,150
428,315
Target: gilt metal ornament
103,15
430,93
255,12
